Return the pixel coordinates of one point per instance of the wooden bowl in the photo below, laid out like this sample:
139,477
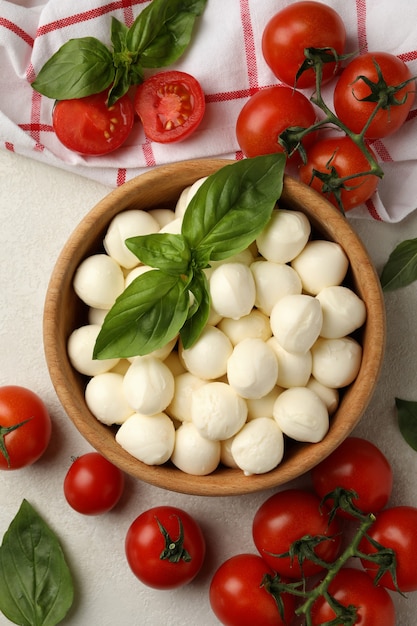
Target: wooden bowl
64,312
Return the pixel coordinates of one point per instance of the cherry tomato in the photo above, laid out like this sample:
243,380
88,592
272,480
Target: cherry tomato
165,547
93,485
296,27
287,517
395,528
354,587
267,114
238,597
25,427
170,105
359,465
88,126
352,88
344,157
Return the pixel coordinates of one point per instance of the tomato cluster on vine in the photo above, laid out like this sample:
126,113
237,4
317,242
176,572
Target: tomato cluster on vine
304,46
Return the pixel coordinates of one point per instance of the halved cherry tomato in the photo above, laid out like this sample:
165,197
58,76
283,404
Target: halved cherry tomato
88,126
170,105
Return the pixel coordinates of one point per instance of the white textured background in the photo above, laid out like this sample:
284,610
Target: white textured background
39,207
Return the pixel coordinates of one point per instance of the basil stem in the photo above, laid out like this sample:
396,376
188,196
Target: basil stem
401,267
36,586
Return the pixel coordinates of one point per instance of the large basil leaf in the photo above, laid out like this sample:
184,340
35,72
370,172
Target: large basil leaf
233,206
81,67
407,420
146,316
36,586
401,267
165,251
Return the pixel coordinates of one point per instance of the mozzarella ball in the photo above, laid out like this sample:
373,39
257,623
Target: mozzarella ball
296,322
255,325
106,400
262,407
80,348
98,281
217,411
190,193
162,216
285,236
226,456
181,204
343,311
180,405
127,224
173,227
207,357
135,272
301,414
174,363
252,368
272,282
193,453
96,316
148,385
258,447
294,368
149,438
321,264
336,362
232,290
329,396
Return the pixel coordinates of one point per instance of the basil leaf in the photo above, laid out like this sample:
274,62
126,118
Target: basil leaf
146,316
407,420
35,583
233,206
401,267
165,251
199,312
118,36
81,67
162,31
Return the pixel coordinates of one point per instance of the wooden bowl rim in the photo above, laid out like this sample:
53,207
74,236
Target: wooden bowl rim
224,481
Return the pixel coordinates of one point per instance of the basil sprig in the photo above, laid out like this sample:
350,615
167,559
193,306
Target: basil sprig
224,217
85,66
36,587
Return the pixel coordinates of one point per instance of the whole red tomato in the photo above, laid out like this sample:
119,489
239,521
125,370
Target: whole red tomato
93,485
170,105
358,465
296,27
239,598
165,547
25,427
339,157
395,528
287,517
267,114
88,126
352,88
353,587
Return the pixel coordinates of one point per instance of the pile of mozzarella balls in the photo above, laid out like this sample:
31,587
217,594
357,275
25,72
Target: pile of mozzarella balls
269,364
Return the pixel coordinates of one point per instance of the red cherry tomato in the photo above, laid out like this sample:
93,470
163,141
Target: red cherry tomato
286,517
93,485
88,126
170,105
238,598
343,156
165,547
25,427
351,90
267,114
356,464
353,587
395,528
296,27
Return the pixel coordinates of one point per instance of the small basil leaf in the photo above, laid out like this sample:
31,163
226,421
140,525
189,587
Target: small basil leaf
401,267
199,311
407,420
233,206
165,251
118,36
120,87
35,583
81,67
145,317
